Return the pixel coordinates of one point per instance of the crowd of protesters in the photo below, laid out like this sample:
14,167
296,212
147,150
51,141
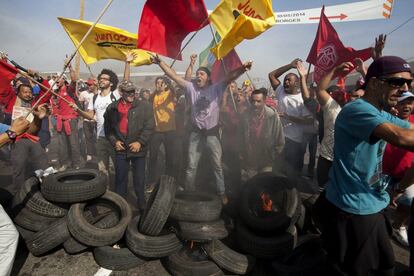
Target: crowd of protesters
237,131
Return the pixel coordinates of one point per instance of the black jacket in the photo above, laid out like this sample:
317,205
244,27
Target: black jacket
140,126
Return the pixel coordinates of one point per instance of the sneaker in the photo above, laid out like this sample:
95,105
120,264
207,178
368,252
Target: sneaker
401,235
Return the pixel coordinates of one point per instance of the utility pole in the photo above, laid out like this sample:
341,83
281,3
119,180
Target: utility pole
77,58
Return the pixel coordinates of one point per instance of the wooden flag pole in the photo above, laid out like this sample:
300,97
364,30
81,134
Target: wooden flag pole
188,42
224,66
72,56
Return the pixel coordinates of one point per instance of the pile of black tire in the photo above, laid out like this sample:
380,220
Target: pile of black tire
271,233
71,208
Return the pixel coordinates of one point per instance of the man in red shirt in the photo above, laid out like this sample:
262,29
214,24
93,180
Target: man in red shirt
129,124
396,162
67,124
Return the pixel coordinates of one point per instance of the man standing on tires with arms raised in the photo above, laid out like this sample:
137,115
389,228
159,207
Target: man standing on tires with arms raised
129,124
355,230
205,107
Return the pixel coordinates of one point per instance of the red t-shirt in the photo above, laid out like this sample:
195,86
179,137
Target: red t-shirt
123,108
397,161
63,109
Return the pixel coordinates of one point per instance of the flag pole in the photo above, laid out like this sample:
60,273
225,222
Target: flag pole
307,75
188,42
224,66
72,56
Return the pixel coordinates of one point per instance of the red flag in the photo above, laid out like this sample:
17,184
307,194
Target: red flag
165,24
231,62
7,74
328,51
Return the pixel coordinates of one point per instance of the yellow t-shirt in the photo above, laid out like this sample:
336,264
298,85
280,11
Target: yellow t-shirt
164,111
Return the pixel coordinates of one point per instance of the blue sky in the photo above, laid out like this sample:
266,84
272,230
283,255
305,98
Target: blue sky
32,35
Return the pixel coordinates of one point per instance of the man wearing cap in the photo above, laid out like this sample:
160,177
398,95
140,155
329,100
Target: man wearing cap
355,231
205,100
129,124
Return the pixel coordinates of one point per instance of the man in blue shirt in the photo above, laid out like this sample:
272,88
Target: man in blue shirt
354,228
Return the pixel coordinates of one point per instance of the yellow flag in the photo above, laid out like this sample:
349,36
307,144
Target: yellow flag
104,42
236,20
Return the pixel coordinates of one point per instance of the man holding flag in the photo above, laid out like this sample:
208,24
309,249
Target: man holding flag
205,107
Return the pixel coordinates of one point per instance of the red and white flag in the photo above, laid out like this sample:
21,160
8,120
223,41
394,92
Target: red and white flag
328,51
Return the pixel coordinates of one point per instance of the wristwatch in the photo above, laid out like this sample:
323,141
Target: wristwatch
12,135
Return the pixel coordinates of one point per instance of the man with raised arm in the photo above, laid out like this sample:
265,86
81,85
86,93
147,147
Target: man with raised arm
292,111
355,230
205,100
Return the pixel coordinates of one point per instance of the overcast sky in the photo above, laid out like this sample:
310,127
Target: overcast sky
32,35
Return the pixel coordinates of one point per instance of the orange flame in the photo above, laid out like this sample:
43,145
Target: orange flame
267,202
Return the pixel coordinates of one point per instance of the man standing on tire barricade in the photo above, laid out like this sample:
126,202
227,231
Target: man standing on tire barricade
355,231
129,124
205,107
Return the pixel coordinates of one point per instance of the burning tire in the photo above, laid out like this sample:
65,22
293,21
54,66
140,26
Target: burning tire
268,247
149,246
208,207
229,259
74,186
269,203
158,207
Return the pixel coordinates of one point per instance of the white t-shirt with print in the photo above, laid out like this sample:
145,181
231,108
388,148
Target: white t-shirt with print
291,105
100,105
330,111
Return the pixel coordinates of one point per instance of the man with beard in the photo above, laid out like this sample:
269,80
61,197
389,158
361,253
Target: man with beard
355,231
129,124
293,113
107,94
262,134
205,99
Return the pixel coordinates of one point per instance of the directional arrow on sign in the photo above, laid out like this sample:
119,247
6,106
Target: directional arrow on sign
340,17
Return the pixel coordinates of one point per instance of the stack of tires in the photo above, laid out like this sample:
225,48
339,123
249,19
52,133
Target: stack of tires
196,218
270,214
71,208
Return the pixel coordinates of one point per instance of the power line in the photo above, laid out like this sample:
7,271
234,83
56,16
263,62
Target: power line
408,20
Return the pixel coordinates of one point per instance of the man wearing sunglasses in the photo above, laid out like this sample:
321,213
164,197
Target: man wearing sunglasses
354,227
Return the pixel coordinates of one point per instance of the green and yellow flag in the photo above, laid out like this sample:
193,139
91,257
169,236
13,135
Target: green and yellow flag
236,20
104,42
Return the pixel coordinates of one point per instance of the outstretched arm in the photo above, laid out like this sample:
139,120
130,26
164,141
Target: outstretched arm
303,86
155,59
275,74
233,75
321,93
189,71
129,57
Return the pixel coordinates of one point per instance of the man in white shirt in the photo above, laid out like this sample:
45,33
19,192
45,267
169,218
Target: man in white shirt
107,83
293,113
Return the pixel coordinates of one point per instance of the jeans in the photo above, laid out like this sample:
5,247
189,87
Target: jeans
310,139
104,151
293,154
70,145
169,139
89,129
198,142
122,165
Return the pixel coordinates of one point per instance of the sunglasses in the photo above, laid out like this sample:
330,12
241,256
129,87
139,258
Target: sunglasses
397,82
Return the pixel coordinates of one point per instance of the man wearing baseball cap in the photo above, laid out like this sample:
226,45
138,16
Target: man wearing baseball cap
354,227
